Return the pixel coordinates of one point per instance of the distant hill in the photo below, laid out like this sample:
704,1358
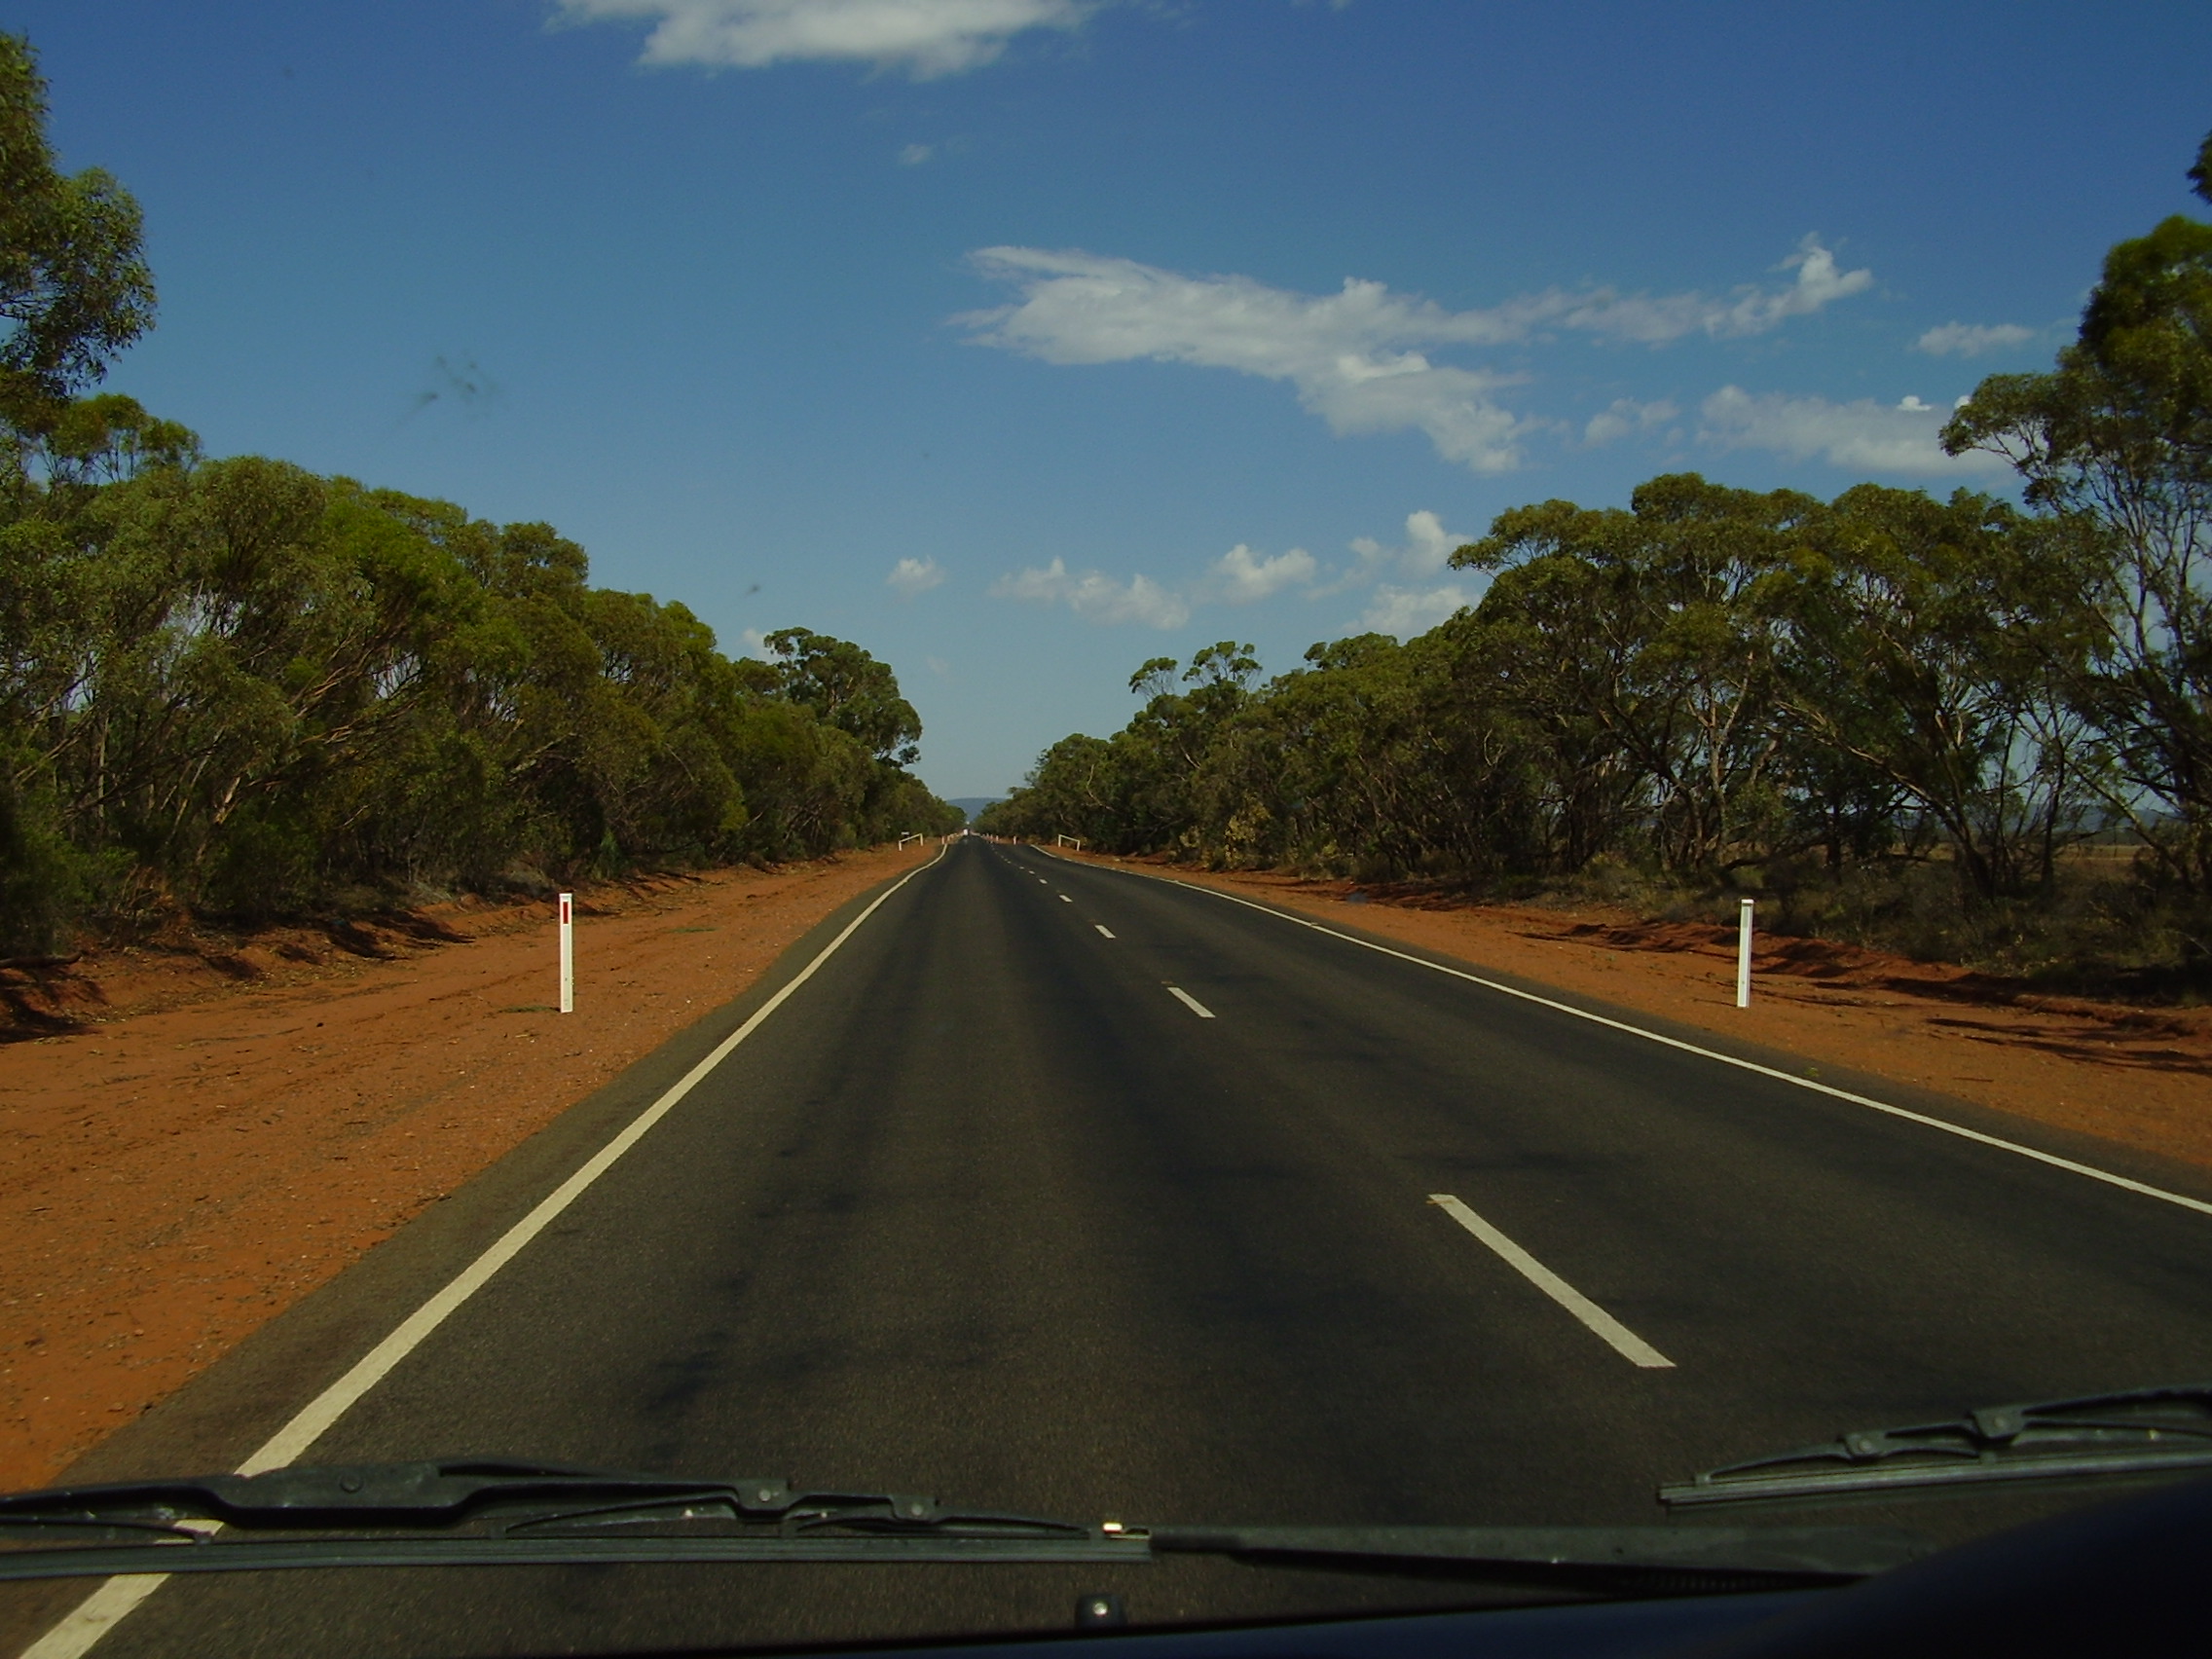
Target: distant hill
973,805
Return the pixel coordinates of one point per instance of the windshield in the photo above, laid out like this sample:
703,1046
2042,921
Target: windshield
1253,765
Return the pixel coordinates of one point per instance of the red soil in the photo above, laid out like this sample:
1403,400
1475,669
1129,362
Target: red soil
207,1133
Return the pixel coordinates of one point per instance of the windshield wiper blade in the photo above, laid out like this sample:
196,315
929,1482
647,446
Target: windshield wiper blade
456,1491
1689,1558
2142,1430
499,1509
231,1552
487,1511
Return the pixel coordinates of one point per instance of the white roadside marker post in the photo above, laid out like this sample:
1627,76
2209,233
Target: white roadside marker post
567,953
1744,956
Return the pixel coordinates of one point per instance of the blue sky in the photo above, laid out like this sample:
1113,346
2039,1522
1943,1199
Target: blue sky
1024,340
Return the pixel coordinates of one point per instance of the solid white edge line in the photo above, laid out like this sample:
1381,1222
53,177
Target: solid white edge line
94,1616
1190,1001
1103,928
2125,1183
1625,1342
99,1613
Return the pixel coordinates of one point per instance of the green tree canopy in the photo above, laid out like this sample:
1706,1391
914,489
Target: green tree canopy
74,286
849,689
2118,436
235,686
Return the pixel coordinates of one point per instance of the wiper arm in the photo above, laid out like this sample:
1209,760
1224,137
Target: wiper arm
482,1511
2139,1432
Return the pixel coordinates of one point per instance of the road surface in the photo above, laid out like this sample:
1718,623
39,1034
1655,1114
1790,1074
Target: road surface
1063,1188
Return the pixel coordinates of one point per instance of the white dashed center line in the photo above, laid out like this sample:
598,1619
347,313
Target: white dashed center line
1630,1346
1103,928
1065,900
1190,1001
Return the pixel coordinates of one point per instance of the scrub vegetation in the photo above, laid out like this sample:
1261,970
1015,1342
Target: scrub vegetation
1973,729
235,687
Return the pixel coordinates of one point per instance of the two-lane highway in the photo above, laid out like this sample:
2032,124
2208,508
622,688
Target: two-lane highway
1063,1188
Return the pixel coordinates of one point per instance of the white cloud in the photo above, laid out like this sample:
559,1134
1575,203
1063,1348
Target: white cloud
1419,606
1241,577
1656,319
752,642
1340,350
1357,357
1863,435
1097,596
1428,548
1818,284
1623,416
914,155
1407,612
914,576
1971,339
925,37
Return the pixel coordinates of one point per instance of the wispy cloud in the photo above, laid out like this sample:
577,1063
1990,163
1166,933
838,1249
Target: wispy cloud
1097,596
1971,339
1409,607
1624,416
1406,611
1861,435
914,576
1428,548
914,155
1239,576
1243,576
1358,357
924,37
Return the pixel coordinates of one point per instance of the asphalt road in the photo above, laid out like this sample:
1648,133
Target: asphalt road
986,1209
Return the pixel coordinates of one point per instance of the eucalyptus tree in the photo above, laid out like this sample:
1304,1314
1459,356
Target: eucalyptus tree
74,291
1640,644
1931,644
848,689
1078,788
2118,435
74,286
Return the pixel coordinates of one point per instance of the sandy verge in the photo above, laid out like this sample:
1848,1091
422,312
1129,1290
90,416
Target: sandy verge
2137,1075
224,1131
